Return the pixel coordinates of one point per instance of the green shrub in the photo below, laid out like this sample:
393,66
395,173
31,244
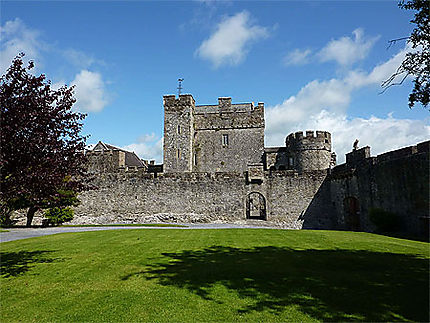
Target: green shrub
58,215
384,221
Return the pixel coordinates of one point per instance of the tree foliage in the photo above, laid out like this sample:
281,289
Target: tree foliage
41,146
416,62
58,215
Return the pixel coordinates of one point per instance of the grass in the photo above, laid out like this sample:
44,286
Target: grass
127,225
4,230
103,225
214,275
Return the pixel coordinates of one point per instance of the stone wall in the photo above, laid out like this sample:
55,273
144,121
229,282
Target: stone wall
311,150
136,197
245,146
178,133
396,182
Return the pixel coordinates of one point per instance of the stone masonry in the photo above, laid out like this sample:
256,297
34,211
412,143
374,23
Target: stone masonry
216,168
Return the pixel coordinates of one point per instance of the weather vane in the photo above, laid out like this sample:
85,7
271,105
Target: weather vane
180,86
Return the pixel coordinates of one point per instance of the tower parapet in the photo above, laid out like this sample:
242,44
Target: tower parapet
312,150
171,103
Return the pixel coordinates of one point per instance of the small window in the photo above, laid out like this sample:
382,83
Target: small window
291,161
178,153
225,140
179,129
195,159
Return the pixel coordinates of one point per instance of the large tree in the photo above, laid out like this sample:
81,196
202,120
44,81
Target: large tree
416,62
41,143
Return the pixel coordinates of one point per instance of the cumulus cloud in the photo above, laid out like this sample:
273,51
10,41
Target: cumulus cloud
90,92
297,57
323,105
381,134
230,42
78,58
149,147
17,37
347,50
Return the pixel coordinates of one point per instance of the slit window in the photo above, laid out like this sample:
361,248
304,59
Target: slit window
178,153
291,161
225,140
195,159
179,129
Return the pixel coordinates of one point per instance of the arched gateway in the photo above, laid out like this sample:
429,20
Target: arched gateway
256,206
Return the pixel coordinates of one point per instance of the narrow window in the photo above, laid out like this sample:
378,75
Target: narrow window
178,153
195,159
225,140
179,129
291,161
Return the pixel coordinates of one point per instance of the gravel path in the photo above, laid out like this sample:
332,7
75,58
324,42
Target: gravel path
24,233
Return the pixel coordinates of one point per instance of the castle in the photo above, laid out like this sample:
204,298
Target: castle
215,167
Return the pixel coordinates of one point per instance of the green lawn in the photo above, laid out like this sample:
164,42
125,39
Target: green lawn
214,275
103,225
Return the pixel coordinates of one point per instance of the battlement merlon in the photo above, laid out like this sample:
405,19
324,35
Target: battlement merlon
225,106
310,140
224,103
170,102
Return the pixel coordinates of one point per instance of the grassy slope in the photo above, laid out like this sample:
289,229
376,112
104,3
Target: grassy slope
201,275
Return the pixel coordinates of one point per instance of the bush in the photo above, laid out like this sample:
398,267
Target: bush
384,221
58,215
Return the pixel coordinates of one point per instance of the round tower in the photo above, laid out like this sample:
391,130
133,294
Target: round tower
311,151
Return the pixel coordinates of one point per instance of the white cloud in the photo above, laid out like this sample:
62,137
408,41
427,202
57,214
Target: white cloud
147,138
297,57
17,37
381,134
230,42
322,105
150,148
78,58
90,91
347,50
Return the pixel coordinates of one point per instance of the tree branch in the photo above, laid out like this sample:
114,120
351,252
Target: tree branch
393,41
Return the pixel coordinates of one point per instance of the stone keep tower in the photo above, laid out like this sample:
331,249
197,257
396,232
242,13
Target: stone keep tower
310,152
178,133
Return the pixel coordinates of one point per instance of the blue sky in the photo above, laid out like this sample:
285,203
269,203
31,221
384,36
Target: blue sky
315,64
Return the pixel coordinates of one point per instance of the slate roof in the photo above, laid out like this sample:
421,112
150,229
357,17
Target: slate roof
131,159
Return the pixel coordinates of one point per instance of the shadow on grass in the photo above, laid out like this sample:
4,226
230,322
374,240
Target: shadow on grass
16,263
329,285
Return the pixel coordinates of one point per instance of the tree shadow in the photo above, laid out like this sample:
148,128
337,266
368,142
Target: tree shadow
16,263
329,285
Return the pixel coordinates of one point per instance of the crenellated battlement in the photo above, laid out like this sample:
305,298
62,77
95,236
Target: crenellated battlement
171,102
310,140
363,154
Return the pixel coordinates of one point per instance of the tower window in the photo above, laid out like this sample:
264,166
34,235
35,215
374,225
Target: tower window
291,161
195,159
179,129
225,140
178,153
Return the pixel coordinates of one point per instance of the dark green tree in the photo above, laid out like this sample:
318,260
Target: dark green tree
41,144
416,62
